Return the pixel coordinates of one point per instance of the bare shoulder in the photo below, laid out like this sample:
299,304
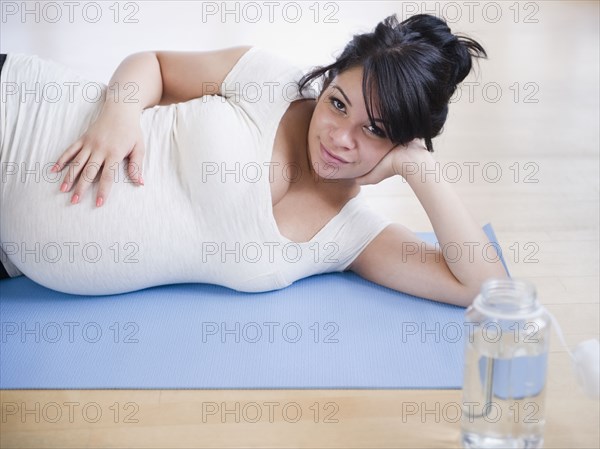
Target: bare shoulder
367,260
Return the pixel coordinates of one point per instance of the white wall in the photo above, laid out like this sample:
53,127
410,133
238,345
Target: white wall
84,35
527,42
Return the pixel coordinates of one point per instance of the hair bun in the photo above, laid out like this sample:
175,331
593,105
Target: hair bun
416,64
461,53
458,50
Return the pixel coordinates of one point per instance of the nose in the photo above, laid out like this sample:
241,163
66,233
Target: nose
342,137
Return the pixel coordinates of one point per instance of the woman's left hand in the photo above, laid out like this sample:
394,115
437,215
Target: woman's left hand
401,160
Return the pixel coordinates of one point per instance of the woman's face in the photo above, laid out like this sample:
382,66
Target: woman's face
342,143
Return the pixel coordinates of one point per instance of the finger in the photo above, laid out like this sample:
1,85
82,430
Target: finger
376,174
106,181
361,181
365,179
75,166
88,174
66,156
134,168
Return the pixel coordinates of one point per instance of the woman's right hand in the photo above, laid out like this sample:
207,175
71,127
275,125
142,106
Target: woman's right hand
114,136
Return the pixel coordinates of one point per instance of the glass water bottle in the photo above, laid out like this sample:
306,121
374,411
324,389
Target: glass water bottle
505,367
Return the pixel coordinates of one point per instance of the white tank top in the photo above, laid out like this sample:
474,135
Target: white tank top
205,212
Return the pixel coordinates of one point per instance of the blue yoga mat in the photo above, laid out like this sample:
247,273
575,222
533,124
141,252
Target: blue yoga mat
329,331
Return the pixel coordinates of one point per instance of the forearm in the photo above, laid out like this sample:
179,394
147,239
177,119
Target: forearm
135,85
464,245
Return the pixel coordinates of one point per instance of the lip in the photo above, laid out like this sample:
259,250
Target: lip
330,158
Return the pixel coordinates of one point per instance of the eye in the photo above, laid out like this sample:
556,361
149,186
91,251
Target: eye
376,131
337,104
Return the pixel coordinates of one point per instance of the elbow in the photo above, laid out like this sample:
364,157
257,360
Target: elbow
472,289
468,295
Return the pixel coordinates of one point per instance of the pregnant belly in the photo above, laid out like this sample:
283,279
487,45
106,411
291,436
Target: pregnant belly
142,236
82,249
78,248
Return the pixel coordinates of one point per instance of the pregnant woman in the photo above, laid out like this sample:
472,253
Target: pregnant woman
221,167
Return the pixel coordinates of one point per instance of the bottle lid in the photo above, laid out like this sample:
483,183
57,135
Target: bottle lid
508,299
586,362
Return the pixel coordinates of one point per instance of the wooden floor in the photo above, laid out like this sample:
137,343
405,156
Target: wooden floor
537,182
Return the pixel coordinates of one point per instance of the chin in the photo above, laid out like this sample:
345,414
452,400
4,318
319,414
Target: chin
329,172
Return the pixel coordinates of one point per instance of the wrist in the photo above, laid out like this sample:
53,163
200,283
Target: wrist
121,109
122,98
410,163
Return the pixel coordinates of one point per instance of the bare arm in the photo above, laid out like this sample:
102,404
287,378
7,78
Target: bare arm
187,75
166,77
136,85
141,81
450,272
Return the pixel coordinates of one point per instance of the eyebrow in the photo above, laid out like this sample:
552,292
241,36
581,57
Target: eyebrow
335,86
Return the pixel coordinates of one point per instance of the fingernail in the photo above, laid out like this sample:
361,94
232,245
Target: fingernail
141,180
99,201
74,199
54,168
63,187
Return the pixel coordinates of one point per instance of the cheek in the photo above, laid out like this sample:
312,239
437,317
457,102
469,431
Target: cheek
320,121
315,124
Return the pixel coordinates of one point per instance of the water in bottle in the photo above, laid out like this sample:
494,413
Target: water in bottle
505,367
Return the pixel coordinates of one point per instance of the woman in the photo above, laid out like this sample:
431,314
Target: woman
252,184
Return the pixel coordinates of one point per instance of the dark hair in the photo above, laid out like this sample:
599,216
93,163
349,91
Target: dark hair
414,66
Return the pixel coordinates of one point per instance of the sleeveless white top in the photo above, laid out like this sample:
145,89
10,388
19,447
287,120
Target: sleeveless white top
205,212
